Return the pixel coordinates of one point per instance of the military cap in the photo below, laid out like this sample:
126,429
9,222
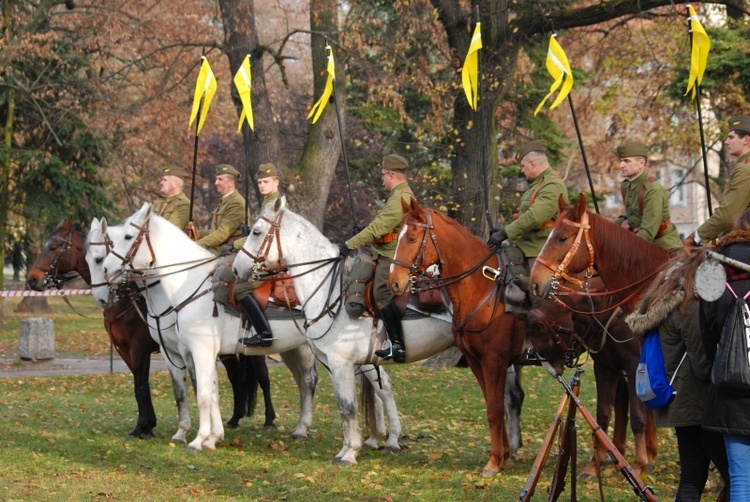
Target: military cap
395,163
267,171
632,149
740,123
227,169
533,146
175,171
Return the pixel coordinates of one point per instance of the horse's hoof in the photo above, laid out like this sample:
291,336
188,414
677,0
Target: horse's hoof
488,473
336,460
146,435
192,449
298,436
585,475
270,427
392,449
233,425
344,463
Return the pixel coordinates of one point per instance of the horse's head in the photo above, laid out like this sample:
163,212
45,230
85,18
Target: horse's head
61,255
98,246
566,251
415,250
131,250
262,245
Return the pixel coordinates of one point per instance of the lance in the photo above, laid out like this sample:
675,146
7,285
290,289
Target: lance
190,227
583,153
343,148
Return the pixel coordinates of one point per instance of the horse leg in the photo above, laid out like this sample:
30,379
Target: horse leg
606,388
236,376
372,409
210,428
383,386
140,367
260,370
179,386
301,362
621,407
494,371
514,396
638,424
651,439
342,377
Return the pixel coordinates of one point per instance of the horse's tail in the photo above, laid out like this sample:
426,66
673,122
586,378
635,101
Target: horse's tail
367,404
249,383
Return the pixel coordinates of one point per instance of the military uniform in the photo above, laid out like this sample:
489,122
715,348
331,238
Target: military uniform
174,209
539,205
647,211
226,225
736,201
382,235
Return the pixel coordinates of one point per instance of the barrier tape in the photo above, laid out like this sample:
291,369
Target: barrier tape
48,292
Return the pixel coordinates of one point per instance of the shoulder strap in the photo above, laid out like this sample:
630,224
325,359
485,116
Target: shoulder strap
539,187
678,368
641,195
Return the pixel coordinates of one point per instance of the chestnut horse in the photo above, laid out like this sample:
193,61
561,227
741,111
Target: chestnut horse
562,328
585,244
63,258
491,339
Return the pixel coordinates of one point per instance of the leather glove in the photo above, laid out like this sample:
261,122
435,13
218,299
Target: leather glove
497,237
344,249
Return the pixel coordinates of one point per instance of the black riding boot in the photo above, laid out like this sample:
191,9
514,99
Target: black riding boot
392,320
257,318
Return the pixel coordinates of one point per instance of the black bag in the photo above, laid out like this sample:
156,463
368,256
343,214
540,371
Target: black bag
730,373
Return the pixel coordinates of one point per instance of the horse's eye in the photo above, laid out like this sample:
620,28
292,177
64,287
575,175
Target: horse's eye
562,238
128,237
98,261
256,232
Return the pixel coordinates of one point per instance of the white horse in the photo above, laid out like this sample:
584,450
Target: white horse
339,341
147,247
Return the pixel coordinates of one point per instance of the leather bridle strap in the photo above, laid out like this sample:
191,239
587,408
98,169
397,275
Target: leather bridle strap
583,234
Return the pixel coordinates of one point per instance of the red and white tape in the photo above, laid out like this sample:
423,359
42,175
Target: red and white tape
48,292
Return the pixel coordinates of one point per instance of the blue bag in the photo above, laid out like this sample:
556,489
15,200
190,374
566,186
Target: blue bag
651,383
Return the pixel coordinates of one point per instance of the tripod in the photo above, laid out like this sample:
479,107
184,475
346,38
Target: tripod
567,447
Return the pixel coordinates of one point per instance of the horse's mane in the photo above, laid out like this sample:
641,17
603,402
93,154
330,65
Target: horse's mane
450,221
310,231
677,273
176,237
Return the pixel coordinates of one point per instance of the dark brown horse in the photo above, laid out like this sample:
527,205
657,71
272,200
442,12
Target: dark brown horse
491,339
561,329
63,258
583,245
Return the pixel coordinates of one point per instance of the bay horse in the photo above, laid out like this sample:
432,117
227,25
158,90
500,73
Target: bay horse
341,343
63,257
563,328
585,244
491,339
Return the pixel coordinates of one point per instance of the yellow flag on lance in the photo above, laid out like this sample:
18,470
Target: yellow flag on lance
243,82
205,88
698,53
559,68
470,71
319,106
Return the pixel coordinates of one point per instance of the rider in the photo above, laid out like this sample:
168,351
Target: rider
268,185
646,200
173,205
539,204
229,215
736,198
382,234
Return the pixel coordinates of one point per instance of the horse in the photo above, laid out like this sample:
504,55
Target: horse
624,263
62,258
561,329
174,272
339,341
491,339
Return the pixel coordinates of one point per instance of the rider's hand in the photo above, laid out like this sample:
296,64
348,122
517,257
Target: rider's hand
497,237
344,249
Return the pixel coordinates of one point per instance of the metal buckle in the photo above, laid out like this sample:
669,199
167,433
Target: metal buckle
491,273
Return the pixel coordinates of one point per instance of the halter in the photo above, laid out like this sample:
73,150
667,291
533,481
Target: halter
415,269
273,234
127,260
52,278
559,270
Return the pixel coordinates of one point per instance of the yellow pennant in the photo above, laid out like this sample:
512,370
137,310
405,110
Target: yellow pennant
243,81
320,105
205,88
559,68
699,52
470,71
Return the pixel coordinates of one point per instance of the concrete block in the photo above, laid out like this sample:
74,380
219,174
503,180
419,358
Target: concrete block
37,340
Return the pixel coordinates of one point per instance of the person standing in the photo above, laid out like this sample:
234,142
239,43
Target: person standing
268,185
668,307
539,204
646,201
229,215
736,198
382,235
173,205
729,414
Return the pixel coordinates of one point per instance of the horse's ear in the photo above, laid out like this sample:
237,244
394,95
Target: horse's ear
103,222
279,204
562,205
581,205
95,224
64,225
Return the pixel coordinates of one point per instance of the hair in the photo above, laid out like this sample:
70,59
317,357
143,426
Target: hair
677,273
740,133
538,157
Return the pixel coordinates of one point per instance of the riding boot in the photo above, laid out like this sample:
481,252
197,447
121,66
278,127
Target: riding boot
392,321
263,337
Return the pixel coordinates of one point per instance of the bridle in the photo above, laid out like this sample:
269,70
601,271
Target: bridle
52,277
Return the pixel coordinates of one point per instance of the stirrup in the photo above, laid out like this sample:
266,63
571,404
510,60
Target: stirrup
385,354
257,341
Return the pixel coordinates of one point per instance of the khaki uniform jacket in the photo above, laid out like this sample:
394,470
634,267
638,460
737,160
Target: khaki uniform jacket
527,232
655,211
271,197
736,201
175,209
227,222
388,219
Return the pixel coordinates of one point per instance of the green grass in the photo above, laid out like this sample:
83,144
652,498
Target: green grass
64,438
